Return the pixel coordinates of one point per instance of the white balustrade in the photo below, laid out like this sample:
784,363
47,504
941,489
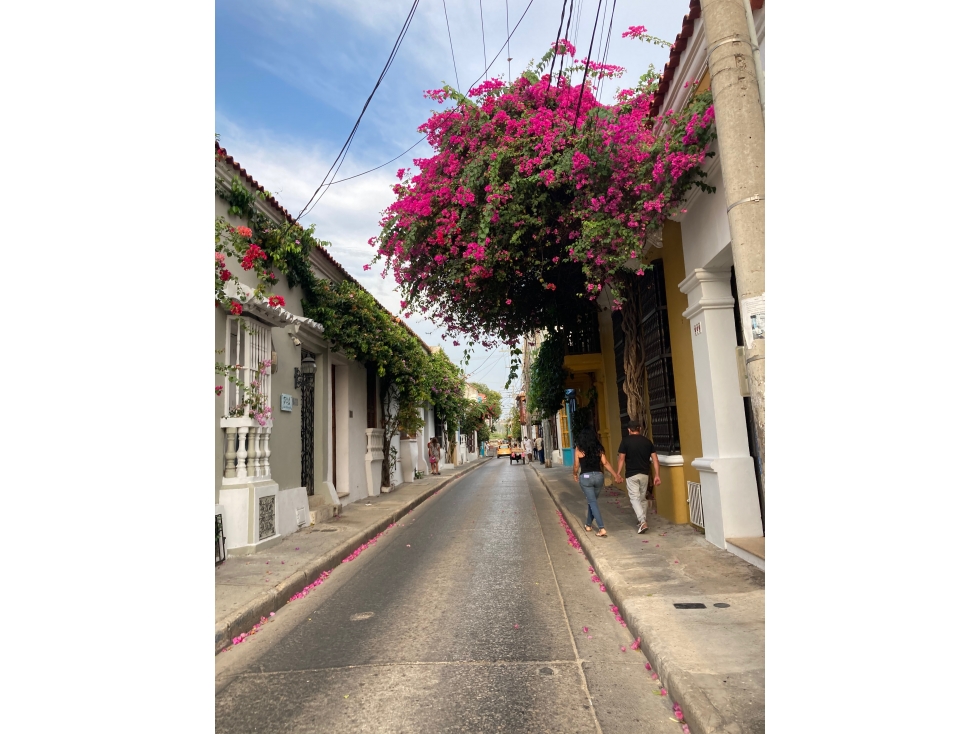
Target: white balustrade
375,444
247,454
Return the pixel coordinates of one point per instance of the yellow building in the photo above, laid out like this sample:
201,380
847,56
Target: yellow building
691,331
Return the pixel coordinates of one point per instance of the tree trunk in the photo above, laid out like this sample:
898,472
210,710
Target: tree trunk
632,356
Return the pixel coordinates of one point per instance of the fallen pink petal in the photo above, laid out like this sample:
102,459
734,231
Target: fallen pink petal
648,666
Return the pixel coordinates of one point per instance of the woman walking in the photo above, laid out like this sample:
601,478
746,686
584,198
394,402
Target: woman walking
589,457
433,455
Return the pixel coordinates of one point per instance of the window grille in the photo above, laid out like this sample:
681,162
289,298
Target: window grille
654,329
582,336
248,344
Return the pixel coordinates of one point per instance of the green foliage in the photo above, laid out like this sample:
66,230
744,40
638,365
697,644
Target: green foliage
547,374
355,323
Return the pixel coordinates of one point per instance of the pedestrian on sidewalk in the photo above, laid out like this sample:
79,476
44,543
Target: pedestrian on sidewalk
589,458
433,455
635,453
539,449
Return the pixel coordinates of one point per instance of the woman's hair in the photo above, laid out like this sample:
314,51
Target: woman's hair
587,441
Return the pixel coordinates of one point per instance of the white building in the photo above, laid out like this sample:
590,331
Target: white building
322,446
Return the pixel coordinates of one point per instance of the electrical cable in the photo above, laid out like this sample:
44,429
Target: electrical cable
450,44
506,45
493,61
584,79
567,32
334,169
364,173
556,40
482,28
608,41
577,22
509,59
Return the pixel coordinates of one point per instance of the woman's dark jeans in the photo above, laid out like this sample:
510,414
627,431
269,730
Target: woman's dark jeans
591,484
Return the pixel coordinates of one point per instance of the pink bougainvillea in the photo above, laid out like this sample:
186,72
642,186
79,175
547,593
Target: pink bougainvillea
536,198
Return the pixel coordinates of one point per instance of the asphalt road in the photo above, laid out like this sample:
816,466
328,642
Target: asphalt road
466,617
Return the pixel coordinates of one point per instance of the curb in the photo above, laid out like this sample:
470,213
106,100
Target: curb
275,598
698,712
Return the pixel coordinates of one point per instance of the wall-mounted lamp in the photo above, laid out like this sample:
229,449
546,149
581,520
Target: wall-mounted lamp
308,367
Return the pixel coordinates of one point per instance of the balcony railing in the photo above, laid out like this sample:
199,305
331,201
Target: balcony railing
582,337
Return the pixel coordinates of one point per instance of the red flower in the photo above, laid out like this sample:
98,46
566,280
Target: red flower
226,275
254,252
277,301
244,232
235,308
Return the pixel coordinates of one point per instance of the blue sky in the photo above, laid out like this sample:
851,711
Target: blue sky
291,78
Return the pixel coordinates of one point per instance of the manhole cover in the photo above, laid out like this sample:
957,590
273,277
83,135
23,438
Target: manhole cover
722,605
690,605
546,671
360,616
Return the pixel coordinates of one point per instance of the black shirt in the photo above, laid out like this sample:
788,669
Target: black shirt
637,450
590,463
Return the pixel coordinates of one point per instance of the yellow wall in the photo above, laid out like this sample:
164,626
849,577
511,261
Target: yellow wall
588,371
671,495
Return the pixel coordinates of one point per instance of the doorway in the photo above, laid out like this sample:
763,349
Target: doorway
306,427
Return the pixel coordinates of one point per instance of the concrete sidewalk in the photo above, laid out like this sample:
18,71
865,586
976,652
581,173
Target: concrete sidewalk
711,660
250,587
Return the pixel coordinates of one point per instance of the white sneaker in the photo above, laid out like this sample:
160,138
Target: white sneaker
643,527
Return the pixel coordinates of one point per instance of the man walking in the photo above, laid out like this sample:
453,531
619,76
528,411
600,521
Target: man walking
635,453
539,449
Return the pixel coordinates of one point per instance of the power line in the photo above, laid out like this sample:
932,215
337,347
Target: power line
560,25
450,43
364,173
482,28
334,169
509,75
567,33
584,79
608,41
505,44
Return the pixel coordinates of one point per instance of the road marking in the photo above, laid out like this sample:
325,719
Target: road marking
564,611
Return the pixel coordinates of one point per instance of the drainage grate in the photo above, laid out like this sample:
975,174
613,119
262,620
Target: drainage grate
722,605
696,504
690,605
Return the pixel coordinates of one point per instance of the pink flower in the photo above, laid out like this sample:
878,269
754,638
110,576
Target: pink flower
635,645
648,666
662,691
585,630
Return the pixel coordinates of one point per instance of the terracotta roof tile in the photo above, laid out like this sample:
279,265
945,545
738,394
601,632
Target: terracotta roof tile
686,31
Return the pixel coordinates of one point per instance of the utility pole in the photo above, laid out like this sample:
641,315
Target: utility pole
740,121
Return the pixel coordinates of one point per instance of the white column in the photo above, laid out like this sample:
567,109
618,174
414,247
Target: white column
252,451
241,469
229,452
727,474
